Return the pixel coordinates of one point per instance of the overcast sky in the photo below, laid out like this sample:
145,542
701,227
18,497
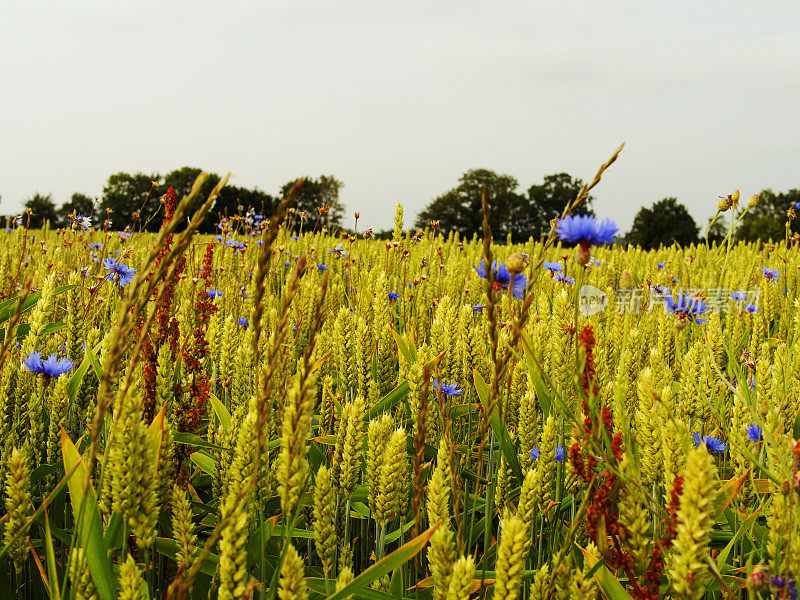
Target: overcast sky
398,99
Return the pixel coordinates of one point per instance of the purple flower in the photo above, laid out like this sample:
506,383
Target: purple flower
214,293
243,322
51,368
754,432
751,308
450,389
559,453
96,245
535,452
123,274
553,267
392,296
478,307
564,279
738,296
660,265
321,267
686,308
586,230
502,278
714,444
770,274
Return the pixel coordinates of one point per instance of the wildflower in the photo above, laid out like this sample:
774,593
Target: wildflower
123,235
754,432
738,296
85,223
502,278
295,237
235,245
338,251
660,265
686,308
9,230
287,264
123,274
751,308
564,279
214,293
51,368
321,267
714,444
392,296
243,322
598,263
450,389
260,242
535,453
553,267
478,307
96,245
770,274
586,231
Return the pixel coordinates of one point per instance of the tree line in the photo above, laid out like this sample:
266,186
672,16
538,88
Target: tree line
528,214
133,200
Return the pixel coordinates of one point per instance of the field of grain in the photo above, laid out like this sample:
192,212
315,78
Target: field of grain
274,412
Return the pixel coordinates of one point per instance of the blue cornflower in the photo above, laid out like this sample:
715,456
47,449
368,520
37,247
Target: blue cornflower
219,238
123,235
586,230
660,265
598,263
536,453
553,267
51,368
123,274
564,279
502,278
96,245
338,251
751,308
478,307
738,296
260,242
243,322
449,389
322,267
392,296
754,432
686,308
771,274
214,293
9,230
714,444
235,244
295,237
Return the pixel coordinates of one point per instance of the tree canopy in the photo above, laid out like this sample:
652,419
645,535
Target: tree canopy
767,220
42,209
667,221
315,194
521,216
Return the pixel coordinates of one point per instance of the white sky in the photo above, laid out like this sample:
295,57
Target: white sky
398,99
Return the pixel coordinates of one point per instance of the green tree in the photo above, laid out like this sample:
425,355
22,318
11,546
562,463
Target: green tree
316,193
667,221
80,204
460,210
548,201
42,209
767,220
128,195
